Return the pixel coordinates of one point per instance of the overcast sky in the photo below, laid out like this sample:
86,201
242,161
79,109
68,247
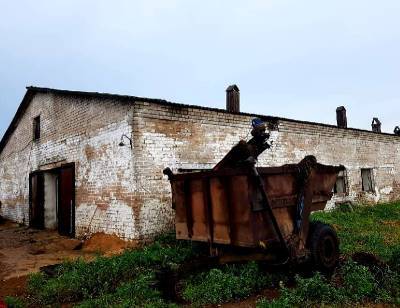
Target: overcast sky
295,59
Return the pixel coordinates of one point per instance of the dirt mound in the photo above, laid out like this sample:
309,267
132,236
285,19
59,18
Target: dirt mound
106,244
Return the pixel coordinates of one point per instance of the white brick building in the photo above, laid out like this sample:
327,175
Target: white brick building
62,166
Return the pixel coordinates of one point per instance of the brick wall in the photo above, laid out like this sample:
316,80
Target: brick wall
175,137
184,137
80,130
351,148
122,191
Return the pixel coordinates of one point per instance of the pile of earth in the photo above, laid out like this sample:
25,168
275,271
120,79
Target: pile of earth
107,244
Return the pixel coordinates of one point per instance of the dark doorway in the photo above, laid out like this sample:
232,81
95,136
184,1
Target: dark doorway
36,200
53,208
66,201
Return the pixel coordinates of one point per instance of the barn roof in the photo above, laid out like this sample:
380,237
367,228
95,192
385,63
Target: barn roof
31,91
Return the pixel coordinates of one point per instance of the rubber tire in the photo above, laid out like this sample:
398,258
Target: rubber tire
323,244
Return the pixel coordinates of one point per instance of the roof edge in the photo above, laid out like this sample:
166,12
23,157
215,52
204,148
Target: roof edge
14,122
32,90
166,102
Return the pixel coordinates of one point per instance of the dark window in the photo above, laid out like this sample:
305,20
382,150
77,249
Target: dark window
341,183
36,128
367,180
186,170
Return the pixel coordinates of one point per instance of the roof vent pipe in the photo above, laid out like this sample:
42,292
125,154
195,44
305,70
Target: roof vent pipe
341,117
376,125
233,98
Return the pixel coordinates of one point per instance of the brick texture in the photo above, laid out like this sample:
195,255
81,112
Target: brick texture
122,191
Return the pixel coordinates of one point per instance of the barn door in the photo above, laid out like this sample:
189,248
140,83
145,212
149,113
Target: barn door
66,201
36,200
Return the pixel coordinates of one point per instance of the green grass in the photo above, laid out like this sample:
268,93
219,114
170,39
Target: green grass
138,292
229,282
129,280
110,280
351,284
13,302
373,229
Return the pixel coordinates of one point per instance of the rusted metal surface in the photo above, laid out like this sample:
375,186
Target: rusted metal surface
236,204
233,98
246,153
220,206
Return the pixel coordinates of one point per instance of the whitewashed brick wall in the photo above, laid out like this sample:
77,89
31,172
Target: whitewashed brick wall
84,131
122,191
185,137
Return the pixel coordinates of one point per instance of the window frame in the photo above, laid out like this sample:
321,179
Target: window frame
372,180
36,128
344,176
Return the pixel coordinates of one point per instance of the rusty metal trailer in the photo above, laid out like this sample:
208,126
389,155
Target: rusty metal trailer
258,213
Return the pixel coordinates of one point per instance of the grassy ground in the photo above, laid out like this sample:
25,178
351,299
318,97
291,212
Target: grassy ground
374,229
130,280
361,229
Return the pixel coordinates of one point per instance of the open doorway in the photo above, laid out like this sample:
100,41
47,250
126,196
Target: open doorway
52,199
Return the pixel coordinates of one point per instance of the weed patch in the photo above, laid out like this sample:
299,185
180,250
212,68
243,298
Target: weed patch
139,292
361,229
129,280
229,282
352,283
366,228
78,280
14,302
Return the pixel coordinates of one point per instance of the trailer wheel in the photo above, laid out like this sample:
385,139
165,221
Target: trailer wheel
324,246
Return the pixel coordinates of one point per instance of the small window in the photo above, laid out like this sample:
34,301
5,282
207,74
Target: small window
341,183
367,180
187,170
36,128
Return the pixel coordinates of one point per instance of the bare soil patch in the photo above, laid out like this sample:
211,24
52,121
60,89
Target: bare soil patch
13,287
24,251
392,223
106,244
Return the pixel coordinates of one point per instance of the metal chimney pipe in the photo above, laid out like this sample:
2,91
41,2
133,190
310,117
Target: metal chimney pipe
341,117
233,98
376,125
